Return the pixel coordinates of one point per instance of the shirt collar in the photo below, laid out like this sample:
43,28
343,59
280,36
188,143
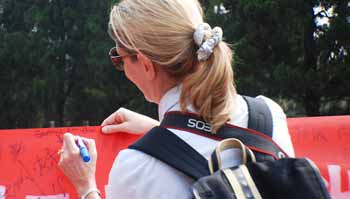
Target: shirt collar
169,101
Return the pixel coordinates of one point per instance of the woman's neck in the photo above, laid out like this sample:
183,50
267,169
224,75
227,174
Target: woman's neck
164,83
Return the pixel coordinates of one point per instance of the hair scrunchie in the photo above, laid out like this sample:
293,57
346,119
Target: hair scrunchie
206,46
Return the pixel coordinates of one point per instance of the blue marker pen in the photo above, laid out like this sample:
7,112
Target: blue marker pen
84,153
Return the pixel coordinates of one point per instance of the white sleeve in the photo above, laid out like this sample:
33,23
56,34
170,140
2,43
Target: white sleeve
280,128
136,175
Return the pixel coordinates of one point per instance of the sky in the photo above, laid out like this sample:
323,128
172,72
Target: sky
323,20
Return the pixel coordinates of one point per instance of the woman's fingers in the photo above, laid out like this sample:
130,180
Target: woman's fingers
109,120
91,145
124,120
70,148
114,128
114,118
69,143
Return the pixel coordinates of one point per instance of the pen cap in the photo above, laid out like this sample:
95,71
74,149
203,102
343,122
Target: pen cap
84,153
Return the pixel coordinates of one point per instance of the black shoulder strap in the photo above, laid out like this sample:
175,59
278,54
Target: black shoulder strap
260,118
164,145
256,141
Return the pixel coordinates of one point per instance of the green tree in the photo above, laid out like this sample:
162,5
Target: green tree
281,51
55,64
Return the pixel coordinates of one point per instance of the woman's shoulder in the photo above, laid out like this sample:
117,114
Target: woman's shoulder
274,106
279,120
280,127
241,111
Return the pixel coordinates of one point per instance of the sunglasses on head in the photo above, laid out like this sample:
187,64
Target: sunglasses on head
117,60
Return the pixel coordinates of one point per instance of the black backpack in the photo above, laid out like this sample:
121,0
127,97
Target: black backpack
265,173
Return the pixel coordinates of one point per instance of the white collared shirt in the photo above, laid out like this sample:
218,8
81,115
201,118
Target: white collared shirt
136,175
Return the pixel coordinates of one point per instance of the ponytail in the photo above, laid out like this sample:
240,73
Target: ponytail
210,90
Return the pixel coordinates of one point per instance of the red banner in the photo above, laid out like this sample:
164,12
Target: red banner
28,157
325,140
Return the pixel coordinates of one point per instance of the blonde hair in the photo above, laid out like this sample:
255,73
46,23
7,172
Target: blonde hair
163,31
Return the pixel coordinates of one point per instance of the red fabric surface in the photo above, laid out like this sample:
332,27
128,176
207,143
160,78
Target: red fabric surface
28,160
326,141
28,157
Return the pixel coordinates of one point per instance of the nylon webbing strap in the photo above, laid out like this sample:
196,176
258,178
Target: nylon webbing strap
215,163
256,141
169,148
260,118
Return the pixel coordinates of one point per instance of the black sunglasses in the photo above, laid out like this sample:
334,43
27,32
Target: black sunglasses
117,60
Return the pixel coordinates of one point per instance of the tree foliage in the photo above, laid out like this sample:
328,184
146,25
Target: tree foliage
55,65
282,51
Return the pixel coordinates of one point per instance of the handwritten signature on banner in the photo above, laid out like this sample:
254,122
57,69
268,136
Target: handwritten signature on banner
29,161
28,157
334,176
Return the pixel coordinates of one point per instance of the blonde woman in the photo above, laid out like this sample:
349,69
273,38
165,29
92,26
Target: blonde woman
181,63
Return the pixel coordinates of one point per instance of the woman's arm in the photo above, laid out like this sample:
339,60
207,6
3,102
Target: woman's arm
280,128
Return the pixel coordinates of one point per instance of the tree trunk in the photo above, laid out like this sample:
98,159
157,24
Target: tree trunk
311,97
312,104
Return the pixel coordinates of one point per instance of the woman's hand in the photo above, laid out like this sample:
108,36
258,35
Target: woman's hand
124,120
81,174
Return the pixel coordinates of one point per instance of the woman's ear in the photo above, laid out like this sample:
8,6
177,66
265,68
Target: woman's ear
149,68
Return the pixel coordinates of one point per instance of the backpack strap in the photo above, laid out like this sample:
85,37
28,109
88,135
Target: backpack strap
164,145
256,141
260,118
